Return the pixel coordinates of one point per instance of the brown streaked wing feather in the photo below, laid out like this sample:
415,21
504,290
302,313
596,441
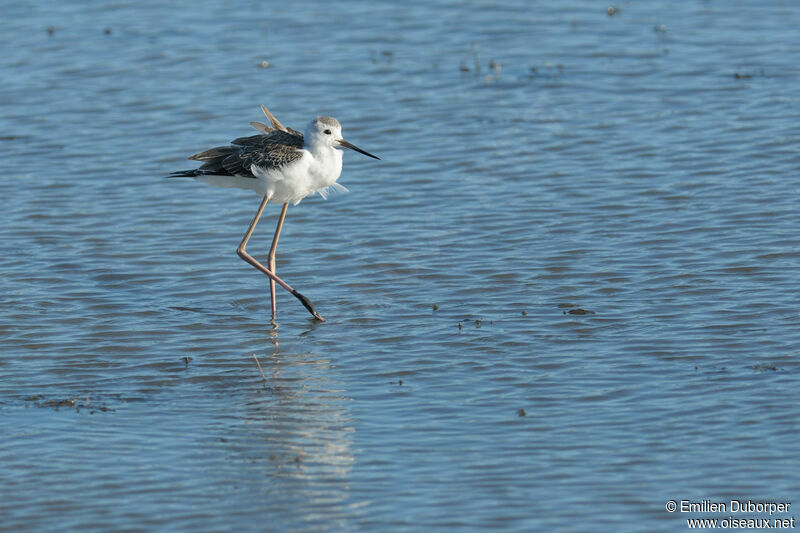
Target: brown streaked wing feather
263,128
274,121
289,138
275,149
267,130
213,153
271,150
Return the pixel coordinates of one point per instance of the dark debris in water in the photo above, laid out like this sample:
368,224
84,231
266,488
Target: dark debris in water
77,403
385,56
521,412
579,311
189,309
748,75
493,72
547,72
764,367
479,322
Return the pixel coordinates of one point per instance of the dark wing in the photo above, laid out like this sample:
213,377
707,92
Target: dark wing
273,149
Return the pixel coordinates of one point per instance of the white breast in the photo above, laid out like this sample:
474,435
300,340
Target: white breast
313,172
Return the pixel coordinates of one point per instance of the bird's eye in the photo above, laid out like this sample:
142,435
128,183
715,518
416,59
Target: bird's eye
327,132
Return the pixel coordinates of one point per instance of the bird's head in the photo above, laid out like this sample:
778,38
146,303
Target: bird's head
326,131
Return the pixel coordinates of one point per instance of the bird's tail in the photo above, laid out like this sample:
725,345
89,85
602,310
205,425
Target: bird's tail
188,173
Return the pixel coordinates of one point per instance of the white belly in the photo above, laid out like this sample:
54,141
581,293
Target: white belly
291,183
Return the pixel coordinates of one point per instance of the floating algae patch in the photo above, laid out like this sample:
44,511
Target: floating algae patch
77,403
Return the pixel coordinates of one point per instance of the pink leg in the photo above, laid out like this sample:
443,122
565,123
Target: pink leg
242,252
271,260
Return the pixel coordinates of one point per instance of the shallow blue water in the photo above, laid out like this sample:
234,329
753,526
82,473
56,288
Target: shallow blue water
537,160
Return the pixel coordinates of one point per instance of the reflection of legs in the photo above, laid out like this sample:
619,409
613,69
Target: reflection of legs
271,260
242,252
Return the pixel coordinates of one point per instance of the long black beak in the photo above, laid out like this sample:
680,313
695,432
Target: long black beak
346,144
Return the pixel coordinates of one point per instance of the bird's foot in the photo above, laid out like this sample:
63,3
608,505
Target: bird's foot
308,305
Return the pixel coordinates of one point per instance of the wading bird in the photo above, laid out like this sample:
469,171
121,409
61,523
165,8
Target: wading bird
282,165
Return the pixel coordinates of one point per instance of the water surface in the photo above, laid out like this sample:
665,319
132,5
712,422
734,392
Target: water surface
587,219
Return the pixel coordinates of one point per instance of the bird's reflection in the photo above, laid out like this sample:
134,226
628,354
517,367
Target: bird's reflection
300,429
312,325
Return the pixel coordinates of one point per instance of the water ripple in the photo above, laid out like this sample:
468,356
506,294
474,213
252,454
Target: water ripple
568,285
